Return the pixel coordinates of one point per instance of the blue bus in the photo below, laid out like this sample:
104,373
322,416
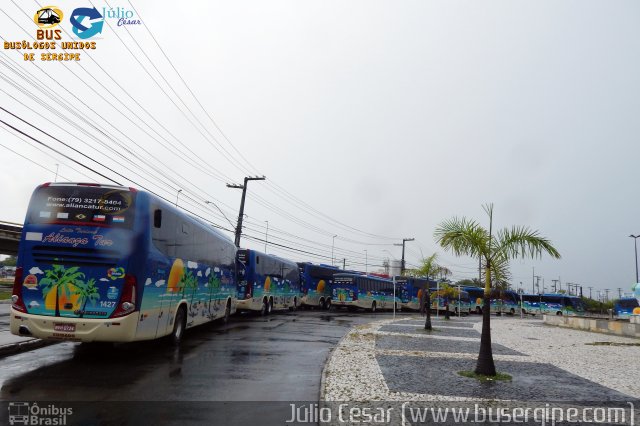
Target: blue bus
113,264
266,282
410,290
315,284
502,301
458,304
363,291
554,304
625,306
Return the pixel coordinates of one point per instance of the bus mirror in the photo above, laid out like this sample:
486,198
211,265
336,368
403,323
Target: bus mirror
157,218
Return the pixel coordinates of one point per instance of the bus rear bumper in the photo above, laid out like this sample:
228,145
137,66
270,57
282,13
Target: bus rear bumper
74,329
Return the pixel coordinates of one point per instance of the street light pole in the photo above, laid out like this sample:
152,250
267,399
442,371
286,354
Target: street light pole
635,240
333,244
241,214
366,263
404,240
266,237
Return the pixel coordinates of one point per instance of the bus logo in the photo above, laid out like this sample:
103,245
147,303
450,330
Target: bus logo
48,17
115,273
19,413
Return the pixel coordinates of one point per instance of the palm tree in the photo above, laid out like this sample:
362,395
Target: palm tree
463,236
429,269
87,292
59,278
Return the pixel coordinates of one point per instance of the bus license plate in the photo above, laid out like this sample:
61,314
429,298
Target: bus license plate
66,328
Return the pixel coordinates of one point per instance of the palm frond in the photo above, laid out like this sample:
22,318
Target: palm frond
462,236
520,241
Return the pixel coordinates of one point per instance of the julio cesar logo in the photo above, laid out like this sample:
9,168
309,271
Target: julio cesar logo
85,22
81,16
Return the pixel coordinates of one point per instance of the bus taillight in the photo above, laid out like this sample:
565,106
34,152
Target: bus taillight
128,298
16,298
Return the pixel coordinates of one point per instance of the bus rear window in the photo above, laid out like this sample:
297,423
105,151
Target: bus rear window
82,205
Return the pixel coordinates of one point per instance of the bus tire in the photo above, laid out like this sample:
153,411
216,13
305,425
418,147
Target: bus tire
227,312
512,311
524,311
179,325
559,313
327,304
478,310
321,304
264,310
294,307
270,305
373,307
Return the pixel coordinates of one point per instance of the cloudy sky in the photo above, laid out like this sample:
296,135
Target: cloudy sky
372,120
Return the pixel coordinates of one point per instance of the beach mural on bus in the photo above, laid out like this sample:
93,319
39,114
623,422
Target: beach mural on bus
109,263
553,304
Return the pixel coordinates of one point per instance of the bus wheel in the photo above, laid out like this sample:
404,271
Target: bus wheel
227,312
478,310
373,307
295,304
559,313
270,305
321,304
264,310
512,312
524,311
179,324
327,304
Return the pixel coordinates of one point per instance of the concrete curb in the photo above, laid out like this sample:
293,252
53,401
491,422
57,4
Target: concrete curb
25,346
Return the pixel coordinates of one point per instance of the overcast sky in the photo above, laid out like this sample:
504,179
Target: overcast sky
387,117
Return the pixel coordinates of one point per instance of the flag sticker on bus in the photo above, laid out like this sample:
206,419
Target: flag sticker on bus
62,215
45,214
81,216
118,219
99,218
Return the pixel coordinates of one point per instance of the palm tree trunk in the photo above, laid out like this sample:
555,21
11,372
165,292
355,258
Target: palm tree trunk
427,305
485,365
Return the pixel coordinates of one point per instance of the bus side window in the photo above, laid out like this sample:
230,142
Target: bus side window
164,236
157,218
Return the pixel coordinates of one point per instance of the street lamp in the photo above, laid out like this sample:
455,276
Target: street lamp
333,244
635,240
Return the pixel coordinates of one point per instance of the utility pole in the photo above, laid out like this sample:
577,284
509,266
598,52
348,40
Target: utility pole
266,237
554,285
590,292
606,291
537,277
344,264
619,293
404,240
533,281
56,178
244,194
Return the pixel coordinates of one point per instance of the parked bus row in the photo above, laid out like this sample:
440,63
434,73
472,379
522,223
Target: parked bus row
109,263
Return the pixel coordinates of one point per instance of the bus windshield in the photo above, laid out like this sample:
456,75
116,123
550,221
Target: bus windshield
82,205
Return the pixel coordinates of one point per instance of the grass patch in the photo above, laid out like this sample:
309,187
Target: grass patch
424,330
612,344
6,282
5,293
481,377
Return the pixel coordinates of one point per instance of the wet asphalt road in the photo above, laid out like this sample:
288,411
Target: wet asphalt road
276,358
